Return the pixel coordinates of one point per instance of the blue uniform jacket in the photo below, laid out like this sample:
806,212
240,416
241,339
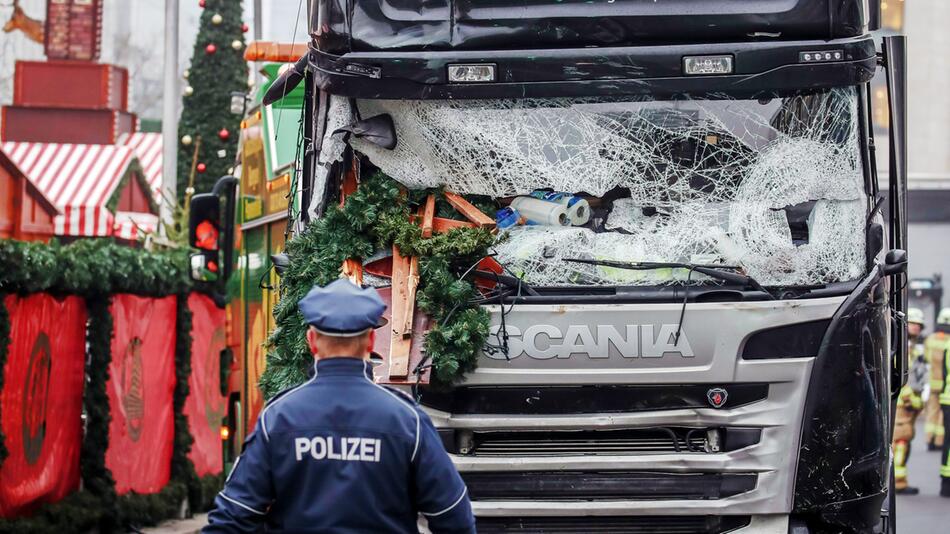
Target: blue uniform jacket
340,453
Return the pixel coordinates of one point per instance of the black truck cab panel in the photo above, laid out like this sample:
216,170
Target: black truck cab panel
341,26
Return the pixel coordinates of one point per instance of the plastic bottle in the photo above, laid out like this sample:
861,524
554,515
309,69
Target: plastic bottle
541,212
578,210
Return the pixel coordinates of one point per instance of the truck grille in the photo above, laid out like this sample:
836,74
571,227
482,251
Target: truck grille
598,442
628,525
619,485
586,399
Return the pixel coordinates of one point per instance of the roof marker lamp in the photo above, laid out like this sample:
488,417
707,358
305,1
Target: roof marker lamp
471,72
707,65
820,56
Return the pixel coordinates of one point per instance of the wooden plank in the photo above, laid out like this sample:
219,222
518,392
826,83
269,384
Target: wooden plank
353,270
441,225
469,211
351,180
403,305
428,213
381,347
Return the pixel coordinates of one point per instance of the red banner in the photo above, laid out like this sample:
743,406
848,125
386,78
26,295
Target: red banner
205,406
42,401
141,385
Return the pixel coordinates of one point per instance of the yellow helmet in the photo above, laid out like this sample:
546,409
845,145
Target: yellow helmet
915,315
943,318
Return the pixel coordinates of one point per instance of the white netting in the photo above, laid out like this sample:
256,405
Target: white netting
714,175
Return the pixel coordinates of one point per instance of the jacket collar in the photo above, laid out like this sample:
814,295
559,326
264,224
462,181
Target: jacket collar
342,366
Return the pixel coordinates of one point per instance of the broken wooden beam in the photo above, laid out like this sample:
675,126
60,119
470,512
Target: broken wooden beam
428,214
469,211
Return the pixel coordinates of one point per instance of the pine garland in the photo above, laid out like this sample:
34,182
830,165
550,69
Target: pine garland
374,218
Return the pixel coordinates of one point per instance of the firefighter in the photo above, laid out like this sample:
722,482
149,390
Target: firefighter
934,347
910,402
340,453
940,367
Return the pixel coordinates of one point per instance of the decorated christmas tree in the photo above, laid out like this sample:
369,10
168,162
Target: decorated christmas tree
217,69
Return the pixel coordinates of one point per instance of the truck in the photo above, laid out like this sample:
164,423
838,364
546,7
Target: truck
716,345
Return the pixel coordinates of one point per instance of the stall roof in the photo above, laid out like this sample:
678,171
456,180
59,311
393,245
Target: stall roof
148,149
78,179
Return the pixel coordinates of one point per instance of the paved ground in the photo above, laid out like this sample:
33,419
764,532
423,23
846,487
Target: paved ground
927,512
922,514
188,526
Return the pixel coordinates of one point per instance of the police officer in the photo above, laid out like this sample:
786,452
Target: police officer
340,453
934,347
910,403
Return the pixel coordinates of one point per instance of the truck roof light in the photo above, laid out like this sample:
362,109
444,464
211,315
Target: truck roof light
276,52
471,72
706,65
820,56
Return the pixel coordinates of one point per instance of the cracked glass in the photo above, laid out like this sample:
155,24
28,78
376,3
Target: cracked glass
774,186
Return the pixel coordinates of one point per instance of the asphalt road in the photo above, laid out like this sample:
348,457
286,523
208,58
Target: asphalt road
928,512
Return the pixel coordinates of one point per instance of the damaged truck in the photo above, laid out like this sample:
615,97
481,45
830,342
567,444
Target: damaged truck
697,313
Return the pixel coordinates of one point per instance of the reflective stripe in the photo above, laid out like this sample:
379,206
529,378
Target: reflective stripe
241,504
936,385
456,503
415,448
900,472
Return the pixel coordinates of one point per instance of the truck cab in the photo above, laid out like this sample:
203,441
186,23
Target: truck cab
716,345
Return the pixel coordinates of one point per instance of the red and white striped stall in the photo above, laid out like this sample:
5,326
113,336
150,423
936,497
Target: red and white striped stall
147,146
80,180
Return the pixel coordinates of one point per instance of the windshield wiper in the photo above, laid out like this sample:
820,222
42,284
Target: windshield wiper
719,272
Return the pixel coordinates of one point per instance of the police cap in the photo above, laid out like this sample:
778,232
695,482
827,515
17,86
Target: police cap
342,309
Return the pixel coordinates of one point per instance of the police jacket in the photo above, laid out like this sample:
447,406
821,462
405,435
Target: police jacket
340,453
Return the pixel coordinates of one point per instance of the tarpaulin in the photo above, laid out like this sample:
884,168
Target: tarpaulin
205,406
140,388
42,401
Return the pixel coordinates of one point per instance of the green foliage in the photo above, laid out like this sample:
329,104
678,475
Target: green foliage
147,510
78,512
212,77
91,267
375,217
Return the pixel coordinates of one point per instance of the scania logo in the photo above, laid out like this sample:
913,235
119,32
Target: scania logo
545,341
717,397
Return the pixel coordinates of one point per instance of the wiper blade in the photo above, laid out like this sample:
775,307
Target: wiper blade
719,272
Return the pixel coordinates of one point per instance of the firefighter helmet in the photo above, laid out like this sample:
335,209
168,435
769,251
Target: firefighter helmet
943,318
915,315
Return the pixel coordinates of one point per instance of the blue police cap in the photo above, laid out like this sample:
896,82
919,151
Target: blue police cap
342,309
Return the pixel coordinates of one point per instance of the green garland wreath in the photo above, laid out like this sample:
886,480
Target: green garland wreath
374,218
97,269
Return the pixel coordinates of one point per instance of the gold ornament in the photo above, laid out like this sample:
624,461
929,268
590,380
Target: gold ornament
237,44
186,139
189,90
216,19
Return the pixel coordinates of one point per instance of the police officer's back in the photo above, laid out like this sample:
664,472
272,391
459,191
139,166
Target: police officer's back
340,453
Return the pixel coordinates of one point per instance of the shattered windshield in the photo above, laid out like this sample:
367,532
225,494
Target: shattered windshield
774,186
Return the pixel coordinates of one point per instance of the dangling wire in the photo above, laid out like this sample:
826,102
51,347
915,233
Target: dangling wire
679,327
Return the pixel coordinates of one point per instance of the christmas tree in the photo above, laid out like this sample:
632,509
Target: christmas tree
217,69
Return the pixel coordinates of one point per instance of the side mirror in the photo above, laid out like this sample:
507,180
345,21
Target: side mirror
204,234
287,81
281,262
379,130
895,262
211,231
